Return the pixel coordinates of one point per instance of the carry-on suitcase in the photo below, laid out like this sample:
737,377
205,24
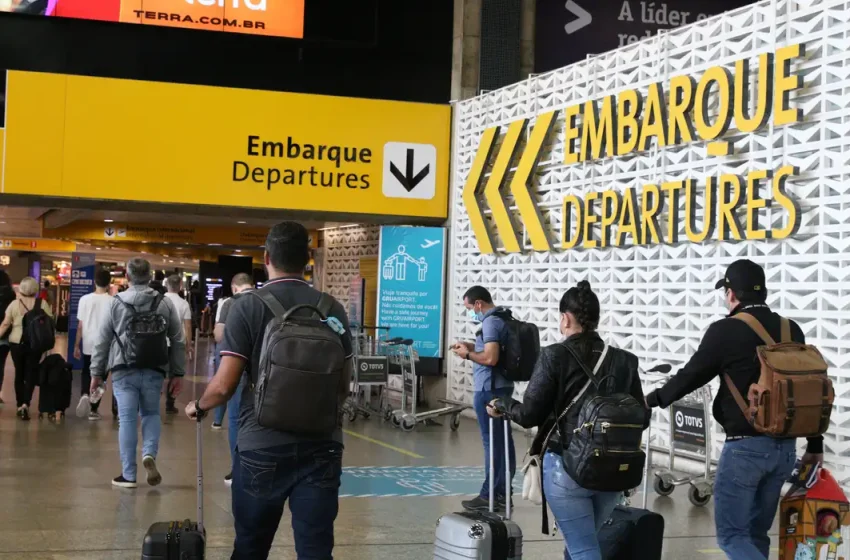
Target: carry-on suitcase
634,533
180,540
477,535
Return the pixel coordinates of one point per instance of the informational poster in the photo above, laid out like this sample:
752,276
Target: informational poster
82,283
411,282
689,424
566,32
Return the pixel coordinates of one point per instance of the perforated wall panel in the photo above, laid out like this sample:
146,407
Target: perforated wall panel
343,249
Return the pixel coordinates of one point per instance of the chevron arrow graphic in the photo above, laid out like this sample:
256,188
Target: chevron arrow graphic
473,185
583,18
497,178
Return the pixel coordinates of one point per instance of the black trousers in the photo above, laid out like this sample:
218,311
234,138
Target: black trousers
85,385
26,373
4,353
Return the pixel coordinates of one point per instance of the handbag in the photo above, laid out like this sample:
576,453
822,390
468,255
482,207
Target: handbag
532,483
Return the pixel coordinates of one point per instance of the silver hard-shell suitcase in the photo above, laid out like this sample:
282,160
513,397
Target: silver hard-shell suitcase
481,536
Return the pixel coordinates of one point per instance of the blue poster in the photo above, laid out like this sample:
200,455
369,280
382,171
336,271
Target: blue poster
411,281
82,283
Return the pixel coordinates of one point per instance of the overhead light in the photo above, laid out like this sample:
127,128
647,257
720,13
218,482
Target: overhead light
165,242
2,222
171,261
144,241
215,244
100,248
181,262
108,221
241,222
238,250
179,248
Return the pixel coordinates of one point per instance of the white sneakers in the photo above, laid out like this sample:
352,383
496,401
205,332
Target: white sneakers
154,478
83,407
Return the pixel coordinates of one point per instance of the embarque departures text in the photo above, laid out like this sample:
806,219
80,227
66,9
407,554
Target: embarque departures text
624,123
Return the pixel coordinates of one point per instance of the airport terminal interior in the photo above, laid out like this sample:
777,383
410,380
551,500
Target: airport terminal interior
427,148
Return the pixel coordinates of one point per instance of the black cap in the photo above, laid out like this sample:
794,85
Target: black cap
743,276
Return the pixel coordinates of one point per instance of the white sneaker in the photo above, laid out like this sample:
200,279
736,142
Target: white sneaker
94,416
154,478
83,407
122,482
216,427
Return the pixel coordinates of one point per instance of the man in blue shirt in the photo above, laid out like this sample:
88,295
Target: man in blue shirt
489,384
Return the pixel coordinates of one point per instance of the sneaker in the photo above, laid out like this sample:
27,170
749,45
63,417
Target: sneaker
228,479
171,409
84,406
94,416
476,504
154,478
216,427
122,482
24,413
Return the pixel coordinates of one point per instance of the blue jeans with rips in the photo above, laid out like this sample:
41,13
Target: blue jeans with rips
138,392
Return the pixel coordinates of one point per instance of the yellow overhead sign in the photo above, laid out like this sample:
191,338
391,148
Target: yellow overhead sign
36,245
103,138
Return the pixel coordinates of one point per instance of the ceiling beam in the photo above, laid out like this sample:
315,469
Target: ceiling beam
62,217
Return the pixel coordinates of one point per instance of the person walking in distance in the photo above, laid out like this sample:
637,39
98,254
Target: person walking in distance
753,467
134,346
292,450
7,297
90,313
26,361
174,284
489,384
241,284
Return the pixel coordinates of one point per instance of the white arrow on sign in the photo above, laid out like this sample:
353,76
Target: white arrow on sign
584,18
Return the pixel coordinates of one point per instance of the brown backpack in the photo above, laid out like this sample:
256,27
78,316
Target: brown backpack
794,395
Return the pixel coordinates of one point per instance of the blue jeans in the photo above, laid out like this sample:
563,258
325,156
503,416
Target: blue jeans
747,488
580,513
138,392
219,412
480,401
308,475
233,406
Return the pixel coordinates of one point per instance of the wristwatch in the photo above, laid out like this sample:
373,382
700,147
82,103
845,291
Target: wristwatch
200,411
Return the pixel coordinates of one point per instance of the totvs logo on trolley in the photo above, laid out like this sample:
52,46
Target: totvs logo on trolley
280,18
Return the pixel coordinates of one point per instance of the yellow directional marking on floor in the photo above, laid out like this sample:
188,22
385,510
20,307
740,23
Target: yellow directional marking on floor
383,444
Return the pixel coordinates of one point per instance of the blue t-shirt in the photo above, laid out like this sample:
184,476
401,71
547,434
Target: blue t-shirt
493,329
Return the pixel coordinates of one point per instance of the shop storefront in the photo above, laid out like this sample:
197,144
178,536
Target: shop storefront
648,169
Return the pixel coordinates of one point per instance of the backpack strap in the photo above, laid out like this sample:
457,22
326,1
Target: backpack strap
156,301
786,330
758,328
325,304
585,369
269,301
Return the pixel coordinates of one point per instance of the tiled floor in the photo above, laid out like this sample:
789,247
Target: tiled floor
56,501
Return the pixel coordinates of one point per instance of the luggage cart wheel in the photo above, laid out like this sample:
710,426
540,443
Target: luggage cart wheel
388,414
352,414
696,498
662,488
407,424
395,420
454,422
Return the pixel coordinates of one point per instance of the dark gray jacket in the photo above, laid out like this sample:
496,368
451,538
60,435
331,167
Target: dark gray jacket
107,353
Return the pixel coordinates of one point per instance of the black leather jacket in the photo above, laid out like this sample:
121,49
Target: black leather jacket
558,378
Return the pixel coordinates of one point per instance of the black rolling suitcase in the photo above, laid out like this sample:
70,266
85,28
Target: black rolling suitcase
634,533
180,540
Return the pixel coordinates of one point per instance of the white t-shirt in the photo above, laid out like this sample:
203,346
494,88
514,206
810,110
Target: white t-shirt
91,312
220,306
181,305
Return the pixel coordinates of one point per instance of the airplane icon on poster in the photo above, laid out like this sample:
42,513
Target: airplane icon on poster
428,244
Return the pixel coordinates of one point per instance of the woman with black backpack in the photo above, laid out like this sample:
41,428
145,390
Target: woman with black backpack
7,296
26,360
579,485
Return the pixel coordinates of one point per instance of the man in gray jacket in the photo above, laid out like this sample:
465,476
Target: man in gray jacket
133,347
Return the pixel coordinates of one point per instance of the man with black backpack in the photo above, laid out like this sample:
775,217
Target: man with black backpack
134,346
289,446
490,382
754,464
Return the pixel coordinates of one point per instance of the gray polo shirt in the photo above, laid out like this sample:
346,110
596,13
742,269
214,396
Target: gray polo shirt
244,328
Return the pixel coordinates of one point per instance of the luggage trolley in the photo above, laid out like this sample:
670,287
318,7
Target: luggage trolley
402,354
690,438
371,369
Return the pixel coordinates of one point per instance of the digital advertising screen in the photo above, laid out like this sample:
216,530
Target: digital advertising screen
276,18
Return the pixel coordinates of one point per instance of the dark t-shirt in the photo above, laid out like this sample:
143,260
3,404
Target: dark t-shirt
244,328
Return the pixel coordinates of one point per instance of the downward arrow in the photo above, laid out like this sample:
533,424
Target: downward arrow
584,18
408,180
110,232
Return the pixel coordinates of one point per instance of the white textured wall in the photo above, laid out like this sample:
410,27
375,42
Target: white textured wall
343,249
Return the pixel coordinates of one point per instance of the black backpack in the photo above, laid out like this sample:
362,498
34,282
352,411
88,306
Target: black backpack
146,336
302,361
518,354
39,332
604,451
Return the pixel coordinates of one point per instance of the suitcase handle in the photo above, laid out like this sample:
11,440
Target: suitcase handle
200,437
507,470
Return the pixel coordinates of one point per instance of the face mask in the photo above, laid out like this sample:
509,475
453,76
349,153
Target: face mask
477,317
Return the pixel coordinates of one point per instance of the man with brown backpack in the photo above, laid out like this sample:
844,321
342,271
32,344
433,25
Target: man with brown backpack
770,394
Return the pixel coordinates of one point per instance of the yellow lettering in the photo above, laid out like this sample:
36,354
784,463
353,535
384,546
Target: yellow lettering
682,92
654,119
730,196
672,201
743,120
571,133
723,78
571,202
708,211
590,218
755,203
628,219
610,209
790,205
629,108
651,203
598,131
784,84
